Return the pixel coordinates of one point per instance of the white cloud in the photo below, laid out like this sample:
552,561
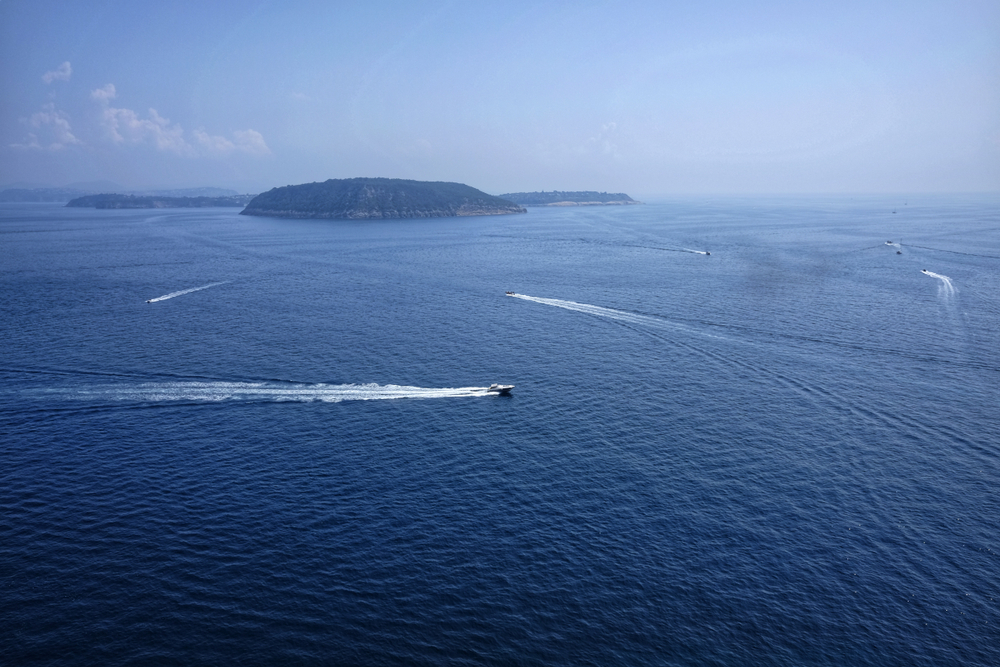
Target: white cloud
125,126
252,142
61,73
244,141
53,126
104,94
214,144
603,142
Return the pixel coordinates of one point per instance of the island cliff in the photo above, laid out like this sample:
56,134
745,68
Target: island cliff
377,198
581,198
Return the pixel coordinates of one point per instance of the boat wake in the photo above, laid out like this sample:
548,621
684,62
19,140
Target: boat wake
646,247
653,325
185,291
157,392
945,289
953,252
611,313
654,247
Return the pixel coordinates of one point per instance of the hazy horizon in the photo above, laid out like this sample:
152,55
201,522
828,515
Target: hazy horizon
638,97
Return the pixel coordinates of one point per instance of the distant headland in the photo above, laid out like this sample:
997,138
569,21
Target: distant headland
76,190
377,198
134,201
557,198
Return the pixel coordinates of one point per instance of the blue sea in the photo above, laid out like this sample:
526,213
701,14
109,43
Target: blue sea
745,431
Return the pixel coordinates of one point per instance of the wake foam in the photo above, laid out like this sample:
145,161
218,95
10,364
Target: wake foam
156,392
953,252
946,288
611,313
657,247
645,246
186,291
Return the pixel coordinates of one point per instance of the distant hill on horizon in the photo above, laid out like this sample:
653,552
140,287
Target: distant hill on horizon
377,198
97,186
54,195
578,198
133,201
75,190
186,192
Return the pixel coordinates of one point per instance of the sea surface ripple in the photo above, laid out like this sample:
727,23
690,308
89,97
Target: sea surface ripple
785,452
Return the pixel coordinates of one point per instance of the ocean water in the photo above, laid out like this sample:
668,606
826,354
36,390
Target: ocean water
237,440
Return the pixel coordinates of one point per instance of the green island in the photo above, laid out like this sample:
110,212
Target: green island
377,198
580,198
139,201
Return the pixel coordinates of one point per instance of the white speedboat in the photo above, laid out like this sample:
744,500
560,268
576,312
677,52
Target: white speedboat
501,389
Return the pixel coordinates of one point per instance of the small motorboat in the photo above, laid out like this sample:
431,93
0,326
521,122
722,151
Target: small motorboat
899,252
707,253
509,293
500,389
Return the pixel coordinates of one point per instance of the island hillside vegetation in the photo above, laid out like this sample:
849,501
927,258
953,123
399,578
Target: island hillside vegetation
377,198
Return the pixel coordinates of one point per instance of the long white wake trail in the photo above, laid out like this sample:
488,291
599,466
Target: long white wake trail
946,288
611,313
155,392
186,291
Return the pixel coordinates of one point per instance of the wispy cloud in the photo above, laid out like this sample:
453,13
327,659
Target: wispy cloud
213,144
61,73
125,126
251,141
51,130
602,143
243,141
105,93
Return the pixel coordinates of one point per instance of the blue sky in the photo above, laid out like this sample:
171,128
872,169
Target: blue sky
649,98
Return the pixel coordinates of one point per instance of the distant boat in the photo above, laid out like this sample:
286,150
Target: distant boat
899,252
509,293
500,389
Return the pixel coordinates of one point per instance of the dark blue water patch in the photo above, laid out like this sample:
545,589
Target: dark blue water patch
781,453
